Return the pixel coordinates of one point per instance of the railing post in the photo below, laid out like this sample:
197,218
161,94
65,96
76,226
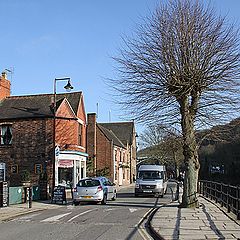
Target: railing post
211,190
221,195
228,204
203,188
238,203
216,192
200,187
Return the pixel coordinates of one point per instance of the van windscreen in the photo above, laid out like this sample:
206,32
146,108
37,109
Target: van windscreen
150,175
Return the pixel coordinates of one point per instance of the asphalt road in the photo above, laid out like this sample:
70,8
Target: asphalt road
120,219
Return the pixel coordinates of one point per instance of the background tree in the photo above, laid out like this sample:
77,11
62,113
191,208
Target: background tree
182,66
163,145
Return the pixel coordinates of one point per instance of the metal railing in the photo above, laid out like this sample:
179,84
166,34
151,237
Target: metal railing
226,195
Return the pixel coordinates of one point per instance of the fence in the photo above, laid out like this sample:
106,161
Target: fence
226,195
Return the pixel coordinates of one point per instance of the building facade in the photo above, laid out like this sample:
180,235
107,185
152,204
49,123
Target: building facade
29,141
112,150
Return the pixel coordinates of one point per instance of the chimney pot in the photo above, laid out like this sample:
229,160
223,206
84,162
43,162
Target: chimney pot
4,75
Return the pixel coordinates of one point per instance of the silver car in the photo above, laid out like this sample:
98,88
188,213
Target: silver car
99,189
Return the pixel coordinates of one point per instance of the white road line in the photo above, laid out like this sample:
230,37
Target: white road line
81,214
56,218
142,230
29,216
133,209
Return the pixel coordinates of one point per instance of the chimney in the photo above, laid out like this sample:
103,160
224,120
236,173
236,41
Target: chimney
92,138
5,86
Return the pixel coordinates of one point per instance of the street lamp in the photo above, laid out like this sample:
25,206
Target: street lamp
68,87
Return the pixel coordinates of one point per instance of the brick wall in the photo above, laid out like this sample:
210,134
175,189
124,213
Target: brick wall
4,86
104,151
31,144
92,139
67,129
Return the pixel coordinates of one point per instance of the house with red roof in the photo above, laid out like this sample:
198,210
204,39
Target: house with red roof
29,141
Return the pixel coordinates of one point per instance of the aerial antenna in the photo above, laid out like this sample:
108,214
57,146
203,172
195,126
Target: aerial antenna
109,115
11,71
97,110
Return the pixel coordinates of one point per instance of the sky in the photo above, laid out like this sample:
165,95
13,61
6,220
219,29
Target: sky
46,39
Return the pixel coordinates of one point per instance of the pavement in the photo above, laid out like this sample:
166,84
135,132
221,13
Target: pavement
209,221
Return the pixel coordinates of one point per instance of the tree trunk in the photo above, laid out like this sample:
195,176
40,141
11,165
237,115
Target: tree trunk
190,152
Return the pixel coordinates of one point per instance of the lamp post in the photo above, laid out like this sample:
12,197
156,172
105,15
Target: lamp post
68,87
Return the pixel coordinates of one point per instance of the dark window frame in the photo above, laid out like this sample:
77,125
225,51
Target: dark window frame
6,134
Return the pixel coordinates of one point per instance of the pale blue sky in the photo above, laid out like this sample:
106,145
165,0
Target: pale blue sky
45,39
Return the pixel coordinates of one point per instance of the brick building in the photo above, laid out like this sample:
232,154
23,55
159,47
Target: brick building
26,132
112,150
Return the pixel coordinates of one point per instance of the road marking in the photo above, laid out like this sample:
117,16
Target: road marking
133,209
140,227
29,216
81,214
55,218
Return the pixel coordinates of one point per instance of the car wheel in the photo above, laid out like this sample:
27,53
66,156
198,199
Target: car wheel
76,203
114,196
104,201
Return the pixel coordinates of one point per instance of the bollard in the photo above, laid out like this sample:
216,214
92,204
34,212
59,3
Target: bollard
30,197
177,192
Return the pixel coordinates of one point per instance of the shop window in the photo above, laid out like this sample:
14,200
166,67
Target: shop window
6,134
65,177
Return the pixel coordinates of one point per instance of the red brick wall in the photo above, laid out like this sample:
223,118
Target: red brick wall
4,87
91,139
104,153
67,129
31,144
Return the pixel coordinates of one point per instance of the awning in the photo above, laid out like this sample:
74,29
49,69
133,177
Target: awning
65,163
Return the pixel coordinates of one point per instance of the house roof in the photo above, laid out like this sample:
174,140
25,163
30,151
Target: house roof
111,136
123,130
35,106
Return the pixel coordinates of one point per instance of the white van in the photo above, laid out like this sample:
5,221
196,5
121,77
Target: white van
151,180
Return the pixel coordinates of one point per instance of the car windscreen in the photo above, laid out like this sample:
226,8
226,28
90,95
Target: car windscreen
88,183
150,175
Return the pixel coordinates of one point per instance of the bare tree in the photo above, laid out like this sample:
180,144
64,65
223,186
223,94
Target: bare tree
162,144
182,66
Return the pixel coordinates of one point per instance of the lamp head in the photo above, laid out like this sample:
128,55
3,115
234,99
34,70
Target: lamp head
68,87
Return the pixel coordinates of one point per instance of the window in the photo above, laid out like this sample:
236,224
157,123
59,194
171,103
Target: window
14,168
38,168
80,134
6,134
88,183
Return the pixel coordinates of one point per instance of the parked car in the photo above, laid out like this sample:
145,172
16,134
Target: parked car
99,189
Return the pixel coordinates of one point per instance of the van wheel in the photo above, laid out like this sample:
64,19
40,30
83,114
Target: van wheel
104,201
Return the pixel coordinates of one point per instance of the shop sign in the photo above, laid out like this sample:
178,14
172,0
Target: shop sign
65,163
59,194
2,171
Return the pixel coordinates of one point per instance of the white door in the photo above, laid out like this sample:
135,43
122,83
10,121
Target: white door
120,176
